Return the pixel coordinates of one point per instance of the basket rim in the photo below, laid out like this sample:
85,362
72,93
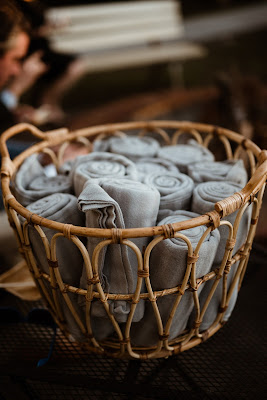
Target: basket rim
57,136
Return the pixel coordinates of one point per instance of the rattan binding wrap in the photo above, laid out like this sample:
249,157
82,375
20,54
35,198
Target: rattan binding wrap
232,144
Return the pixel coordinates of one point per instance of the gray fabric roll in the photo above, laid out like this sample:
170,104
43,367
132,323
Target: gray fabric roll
212,310
175,189
132,147
168,263
182,155
230,170
149,165
205,195
66,167
101,165
60,207
31,183
118,203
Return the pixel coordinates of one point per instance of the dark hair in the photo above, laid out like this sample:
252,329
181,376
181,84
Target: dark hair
12,21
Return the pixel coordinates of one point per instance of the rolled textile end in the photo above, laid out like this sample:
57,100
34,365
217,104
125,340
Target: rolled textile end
60,207
230,170
205,195
182,155
175,189
168,265
132,147
149,165
100,165
30,169
66,167
31,182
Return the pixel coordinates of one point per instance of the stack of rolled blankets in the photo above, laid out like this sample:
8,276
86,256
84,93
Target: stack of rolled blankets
134,182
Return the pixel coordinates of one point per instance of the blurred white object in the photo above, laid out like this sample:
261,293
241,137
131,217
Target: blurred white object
125,34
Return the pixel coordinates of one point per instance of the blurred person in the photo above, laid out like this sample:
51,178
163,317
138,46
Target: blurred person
63,69
14,42
17,74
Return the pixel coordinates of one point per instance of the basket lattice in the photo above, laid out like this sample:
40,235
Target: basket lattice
60,296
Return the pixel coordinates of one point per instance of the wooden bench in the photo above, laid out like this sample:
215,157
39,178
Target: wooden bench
122,35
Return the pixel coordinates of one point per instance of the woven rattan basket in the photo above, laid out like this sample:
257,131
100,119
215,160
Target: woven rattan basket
119,344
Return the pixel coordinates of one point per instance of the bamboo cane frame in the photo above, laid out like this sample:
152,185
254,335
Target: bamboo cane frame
121,346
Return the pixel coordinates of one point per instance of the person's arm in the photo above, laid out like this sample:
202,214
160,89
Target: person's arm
33,67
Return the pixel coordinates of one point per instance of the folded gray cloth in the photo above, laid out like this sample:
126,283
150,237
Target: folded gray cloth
182,155
229,170
149,165
31,183
132,147
175,189
168,264
119,204
100,165
60,207
205,195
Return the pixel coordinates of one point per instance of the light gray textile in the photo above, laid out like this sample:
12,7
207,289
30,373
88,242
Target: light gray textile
118,203
29,170
175,189
66,167
60,207
132,147
230,170
205,195
31,183
168,263
212,310
182,155
149,165
101,165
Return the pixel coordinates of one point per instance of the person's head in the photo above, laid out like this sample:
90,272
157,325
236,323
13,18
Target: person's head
14,41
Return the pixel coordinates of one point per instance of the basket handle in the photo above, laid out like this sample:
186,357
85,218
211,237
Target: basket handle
234,202
53,137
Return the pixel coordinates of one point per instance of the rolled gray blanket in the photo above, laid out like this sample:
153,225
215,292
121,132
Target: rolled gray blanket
118,204
31,183
229,170
60,207
132,147
66,167
149,165
182,155
205,195
100,165
168,264
175,189
215,303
